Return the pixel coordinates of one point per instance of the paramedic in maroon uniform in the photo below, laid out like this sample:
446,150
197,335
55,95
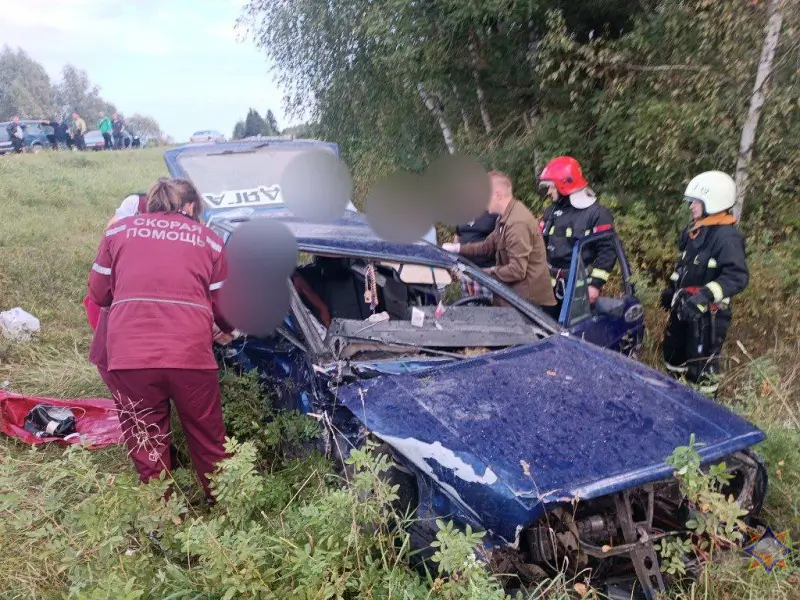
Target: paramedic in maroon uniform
98,317
160,273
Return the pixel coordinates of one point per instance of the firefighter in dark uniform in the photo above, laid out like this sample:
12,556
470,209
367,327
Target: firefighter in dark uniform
710,271
574,213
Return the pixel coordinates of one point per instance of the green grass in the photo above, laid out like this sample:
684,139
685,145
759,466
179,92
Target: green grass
53,207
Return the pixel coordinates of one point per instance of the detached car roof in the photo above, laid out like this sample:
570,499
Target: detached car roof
172,155
350,235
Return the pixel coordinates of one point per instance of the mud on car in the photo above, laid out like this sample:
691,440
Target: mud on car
495,417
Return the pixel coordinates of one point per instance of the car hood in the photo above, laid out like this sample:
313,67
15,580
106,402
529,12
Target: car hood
542,424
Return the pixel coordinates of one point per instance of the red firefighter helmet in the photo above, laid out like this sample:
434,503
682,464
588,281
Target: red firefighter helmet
565,173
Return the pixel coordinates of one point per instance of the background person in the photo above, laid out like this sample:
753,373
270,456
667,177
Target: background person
52,137
117,125
574,213
16,133
516,244
104,125
160,276
711,270
62,134
79,130
477,230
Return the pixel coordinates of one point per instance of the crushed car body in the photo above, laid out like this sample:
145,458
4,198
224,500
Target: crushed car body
496,417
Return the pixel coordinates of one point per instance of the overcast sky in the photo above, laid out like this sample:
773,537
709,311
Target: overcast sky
180,61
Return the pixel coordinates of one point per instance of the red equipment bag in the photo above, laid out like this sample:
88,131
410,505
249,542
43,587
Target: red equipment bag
92,312
97,420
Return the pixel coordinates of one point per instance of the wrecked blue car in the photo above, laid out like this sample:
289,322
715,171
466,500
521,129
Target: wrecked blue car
495,417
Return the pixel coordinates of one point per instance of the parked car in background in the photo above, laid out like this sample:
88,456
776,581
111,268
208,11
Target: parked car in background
207,135
131,140
94,140
35,136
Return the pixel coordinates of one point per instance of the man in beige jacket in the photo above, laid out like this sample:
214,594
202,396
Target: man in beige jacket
517,245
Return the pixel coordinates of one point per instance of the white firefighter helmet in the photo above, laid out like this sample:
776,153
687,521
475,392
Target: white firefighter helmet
715,189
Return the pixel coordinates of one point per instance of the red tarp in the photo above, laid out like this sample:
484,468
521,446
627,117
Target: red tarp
96,420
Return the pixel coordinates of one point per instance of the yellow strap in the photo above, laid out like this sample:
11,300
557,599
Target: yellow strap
600,274
716,289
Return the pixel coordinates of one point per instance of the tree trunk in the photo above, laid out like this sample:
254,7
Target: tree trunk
464,116
487,121
434,104
476,64
771,38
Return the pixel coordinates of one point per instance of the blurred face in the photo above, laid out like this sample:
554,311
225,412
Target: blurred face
697,210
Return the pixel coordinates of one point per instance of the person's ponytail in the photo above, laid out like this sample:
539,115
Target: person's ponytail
174,195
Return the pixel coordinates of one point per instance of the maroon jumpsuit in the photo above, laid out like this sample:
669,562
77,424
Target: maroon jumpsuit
158,275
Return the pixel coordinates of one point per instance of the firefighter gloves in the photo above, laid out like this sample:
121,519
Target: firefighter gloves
693,308
666,298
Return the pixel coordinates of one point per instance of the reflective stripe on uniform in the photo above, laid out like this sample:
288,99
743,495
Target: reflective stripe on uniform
116,230
675,369
553,281
162,301
587,232
712,263
674,276
214,244
215,286
716,289
102,270
708,388
569,232
552,230
600,274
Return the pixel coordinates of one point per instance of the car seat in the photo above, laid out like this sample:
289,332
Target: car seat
340,290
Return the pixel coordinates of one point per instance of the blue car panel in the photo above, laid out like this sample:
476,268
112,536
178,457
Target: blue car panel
616,323
540,425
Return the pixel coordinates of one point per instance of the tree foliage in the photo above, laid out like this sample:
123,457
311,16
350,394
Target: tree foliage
76,93
644,93
25,88
27,91
144,126
254,124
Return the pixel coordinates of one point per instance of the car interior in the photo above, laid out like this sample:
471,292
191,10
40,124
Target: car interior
337,290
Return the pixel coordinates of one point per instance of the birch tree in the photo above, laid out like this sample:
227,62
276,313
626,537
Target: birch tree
434,104
771,39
